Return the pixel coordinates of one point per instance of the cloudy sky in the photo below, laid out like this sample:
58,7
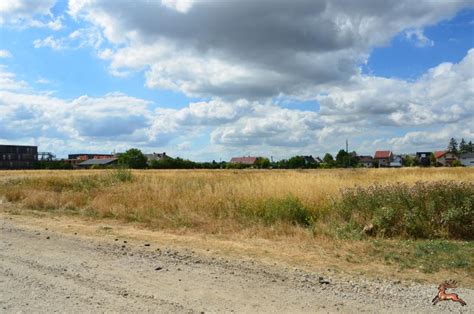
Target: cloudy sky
211,79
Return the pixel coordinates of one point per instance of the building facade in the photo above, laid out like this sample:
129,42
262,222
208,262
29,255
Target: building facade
383,158
397,161
467,159
155,156
366,161
99,162
89,156
424,158
445,158
18,157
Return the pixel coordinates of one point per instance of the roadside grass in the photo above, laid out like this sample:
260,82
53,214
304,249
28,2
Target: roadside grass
427,256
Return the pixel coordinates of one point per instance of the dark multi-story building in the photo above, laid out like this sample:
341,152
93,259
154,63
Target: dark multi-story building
18,157
424,158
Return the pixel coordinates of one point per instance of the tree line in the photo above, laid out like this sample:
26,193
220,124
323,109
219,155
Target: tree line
134,158
462,148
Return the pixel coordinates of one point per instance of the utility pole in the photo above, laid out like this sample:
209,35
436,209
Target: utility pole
347,146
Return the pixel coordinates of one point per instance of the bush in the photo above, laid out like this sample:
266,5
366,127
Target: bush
289,209
122,175
133,158
425,210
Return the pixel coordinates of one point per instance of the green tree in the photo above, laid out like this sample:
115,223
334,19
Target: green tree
342,159
53,164
133,158
164,163
464,147
471,147
262,163
328,160
453,146
296,162
345,159
281,164
409,161
432,160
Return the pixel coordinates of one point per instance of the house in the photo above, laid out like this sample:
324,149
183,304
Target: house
424,158
467,159
89,156
99,162
383,158
72,162
445,158
155,156
366,161
18,156
310,160
397,161
244,160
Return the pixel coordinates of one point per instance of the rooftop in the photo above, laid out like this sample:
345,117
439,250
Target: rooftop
244,160
383,154
100,162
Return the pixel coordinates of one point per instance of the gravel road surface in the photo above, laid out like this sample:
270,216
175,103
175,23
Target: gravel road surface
46,271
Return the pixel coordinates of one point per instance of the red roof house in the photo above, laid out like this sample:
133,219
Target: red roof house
383,157
444,158
382,154
244,160
439,153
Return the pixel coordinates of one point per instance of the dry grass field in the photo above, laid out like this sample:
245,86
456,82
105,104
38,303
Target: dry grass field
422,218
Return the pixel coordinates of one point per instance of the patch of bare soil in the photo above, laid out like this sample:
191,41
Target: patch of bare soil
47,266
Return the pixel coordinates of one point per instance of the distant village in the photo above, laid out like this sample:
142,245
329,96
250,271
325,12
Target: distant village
28,157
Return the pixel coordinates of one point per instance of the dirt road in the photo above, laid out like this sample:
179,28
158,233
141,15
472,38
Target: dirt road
50,271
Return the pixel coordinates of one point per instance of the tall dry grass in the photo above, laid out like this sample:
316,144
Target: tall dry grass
227,201
313,215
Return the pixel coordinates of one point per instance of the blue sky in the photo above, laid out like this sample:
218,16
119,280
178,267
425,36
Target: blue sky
211,80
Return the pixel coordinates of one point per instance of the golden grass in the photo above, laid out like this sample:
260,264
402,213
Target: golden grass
203,200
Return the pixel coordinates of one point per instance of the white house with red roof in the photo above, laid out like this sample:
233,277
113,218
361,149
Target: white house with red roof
445,158
383,158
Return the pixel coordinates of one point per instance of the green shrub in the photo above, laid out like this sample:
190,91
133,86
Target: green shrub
270,211
85,183
386,221
122,175
425,210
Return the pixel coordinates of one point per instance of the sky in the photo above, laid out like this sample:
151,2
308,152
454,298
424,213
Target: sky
209,79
